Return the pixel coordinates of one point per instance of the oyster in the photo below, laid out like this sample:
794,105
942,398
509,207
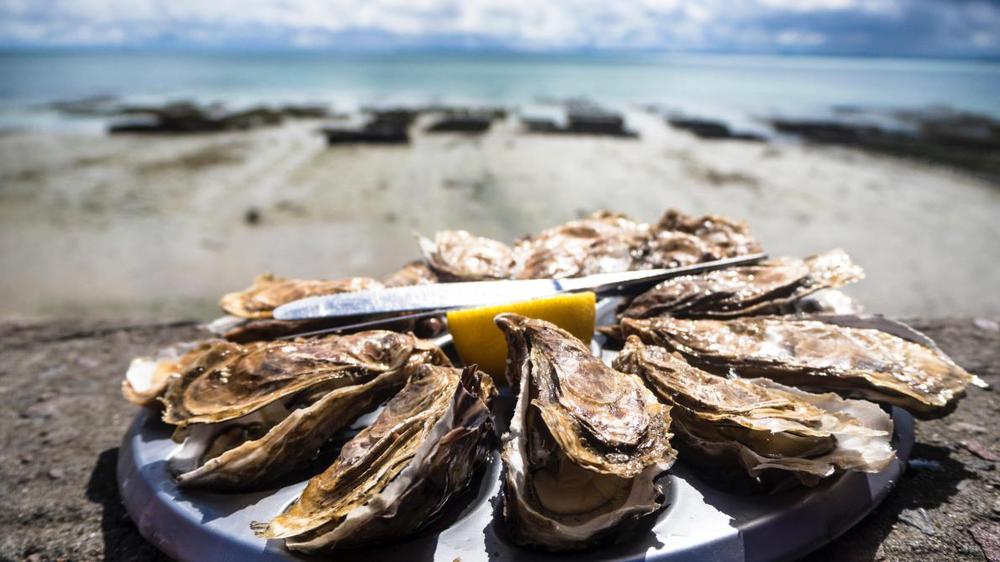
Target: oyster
725,237
396,475
602,242
457,255
586,444
269,292
766,288
250,414
761,424
606,242
147,377
871,358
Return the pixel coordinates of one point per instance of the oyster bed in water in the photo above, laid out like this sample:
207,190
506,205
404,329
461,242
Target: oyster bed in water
588,444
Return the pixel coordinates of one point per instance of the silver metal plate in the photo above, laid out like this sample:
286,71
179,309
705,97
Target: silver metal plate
701,522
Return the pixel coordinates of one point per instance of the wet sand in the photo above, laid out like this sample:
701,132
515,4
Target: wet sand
145,227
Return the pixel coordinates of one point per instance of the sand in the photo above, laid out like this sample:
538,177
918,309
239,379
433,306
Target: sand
145,226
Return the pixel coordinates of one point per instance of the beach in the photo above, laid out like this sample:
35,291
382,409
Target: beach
129,226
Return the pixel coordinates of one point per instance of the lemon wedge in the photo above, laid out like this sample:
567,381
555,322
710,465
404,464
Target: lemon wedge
479,341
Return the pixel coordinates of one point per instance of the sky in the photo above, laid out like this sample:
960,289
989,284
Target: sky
936,28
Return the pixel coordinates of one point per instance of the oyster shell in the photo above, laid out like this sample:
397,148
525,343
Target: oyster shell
600,243
873,358
269,292
147,377
766,288
250,414
606,242
760,424
725,237
586,444
396,475
457,255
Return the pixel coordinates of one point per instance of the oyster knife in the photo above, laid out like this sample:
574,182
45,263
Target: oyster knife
447,296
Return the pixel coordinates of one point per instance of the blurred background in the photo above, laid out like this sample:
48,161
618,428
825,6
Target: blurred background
155,154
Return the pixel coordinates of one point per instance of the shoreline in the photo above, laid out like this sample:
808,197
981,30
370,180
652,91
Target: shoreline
154,226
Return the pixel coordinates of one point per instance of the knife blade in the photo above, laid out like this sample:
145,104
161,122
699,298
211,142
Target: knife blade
448,296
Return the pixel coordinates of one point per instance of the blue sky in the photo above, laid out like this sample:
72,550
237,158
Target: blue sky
963,28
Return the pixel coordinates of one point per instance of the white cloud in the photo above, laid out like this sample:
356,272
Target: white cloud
520,24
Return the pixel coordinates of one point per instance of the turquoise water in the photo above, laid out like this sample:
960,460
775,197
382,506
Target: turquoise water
726,86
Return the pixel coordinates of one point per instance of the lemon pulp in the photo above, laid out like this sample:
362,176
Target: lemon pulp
479,341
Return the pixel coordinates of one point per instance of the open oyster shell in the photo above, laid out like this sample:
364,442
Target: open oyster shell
269,292
457,255
871,358
250,414
721,237
396,475
605,242
761,424
600,243
766,288
586,443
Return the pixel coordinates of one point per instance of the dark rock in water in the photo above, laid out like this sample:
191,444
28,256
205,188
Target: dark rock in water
581,118
710,129
383,127
252,118
540,125
963,140
187,117
467,122
304,111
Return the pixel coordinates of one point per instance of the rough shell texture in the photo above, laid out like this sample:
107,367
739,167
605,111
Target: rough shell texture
602,242
760,424
586,443
457,255
224,380
248,415
269,292
283,446
766,288
605,242
872,358
396,475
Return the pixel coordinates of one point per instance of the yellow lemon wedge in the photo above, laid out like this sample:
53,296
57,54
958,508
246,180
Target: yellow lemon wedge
478,340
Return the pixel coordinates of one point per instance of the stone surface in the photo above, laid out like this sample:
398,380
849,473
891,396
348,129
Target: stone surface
72,371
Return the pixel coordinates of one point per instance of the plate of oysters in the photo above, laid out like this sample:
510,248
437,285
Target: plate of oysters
752,412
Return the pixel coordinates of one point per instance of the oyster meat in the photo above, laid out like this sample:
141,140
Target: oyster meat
396,475
457,255
586,446
269,292
760,424
766,288
871,358
250,414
